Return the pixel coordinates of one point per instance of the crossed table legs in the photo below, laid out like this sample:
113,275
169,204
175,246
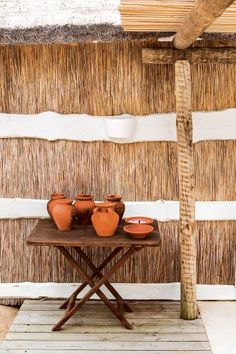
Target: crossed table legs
70,305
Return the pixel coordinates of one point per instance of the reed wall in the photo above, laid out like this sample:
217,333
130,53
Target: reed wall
109,79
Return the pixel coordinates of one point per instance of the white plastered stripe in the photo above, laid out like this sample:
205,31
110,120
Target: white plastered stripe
163,291
162,210
219,125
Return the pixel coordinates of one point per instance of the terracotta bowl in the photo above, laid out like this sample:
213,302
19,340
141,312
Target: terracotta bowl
138,230
137,220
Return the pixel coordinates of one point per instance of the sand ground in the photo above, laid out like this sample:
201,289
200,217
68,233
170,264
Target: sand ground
219,318
7,316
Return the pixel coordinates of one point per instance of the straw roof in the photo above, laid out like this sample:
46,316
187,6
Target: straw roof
58,21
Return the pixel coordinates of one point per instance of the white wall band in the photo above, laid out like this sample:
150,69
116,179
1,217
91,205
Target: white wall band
17,208
220,125
163,291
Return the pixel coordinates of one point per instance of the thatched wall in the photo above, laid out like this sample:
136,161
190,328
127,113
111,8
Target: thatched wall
103,79
106,79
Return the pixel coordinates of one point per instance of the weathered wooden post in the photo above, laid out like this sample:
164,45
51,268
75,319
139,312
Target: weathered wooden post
182,60
189,309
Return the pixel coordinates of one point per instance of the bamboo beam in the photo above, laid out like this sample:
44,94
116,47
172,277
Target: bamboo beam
202,15
193,55
189,309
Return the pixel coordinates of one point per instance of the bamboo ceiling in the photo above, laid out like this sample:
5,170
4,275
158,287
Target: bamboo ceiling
167,16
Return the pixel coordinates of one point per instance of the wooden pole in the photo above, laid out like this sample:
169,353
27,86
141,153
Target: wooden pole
202,15
189,309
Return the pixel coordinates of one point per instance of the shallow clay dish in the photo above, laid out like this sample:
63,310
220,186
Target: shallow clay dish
138,230
134,220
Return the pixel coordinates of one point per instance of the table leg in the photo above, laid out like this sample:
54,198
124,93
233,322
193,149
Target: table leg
70,302
95,288
122,304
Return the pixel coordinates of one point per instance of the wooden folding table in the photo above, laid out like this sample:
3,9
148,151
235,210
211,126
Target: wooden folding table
45,233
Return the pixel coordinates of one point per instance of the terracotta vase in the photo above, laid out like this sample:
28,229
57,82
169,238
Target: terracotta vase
119,206
84,206
53,201
64,214
105,220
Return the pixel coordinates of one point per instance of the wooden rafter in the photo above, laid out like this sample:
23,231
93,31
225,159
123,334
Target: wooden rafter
202,15
189,309
193,55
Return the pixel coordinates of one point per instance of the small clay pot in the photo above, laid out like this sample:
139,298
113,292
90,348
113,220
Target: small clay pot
64,214
119,206
53,201
105,220
84,206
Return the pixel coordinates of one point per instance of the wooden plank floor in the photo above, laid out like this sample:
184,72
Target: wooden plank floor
157,329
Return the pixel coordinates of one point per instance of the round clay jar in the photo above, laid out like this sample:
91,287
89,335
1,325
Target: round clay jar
84,206
53,201
64,214
105,220
119,206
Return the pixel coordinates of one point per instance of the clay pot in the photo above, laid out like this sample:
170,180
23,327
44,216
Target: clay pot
105,220
119,206
84,206
64,214
104,205
53,201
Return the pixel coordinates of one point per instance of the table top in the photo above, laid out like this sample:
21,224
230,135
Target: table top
45,233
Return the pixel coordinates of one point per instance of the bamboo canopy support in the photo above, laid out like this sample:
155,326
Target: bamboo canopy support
193,55
202,15
189,309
